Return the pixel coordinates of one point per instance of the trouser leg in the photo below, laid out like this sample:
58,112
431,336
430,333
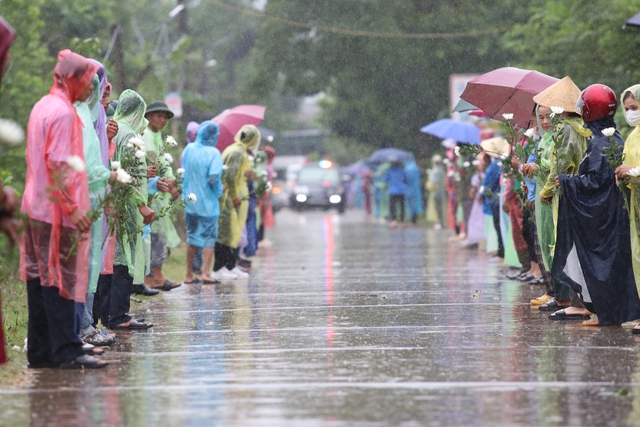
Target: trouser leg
496,225
119,303
392,208
39,350
62,318
197,260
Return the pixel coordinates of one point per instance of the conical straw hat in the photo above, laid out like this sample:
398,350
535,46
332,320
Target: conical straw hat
495,147
563,93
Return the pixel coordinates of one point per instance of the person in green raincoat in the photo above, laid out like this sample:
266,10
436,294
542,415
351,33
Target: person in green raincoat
163,233
114,290
234,203
564,156
98,176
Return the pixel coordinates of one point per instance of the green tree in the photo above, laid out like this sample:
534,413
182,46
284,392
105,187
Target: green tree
380,89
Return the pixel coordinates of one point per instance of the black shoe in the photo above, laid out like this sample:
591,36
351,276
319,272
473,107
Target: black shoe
143,290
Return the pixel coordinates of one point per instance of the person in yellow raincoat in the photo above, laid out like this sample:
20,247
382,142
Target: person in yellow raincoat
631,169
234,203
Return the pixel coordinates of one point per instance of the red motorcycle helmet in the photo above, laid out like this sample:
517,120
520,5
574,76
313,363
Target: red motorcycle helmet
597,102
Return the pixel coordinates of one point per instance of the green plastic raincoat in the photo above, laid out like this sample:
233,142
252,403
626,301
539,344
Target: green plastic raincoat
565,157
97,175
235,163
632,158
163,226
130,118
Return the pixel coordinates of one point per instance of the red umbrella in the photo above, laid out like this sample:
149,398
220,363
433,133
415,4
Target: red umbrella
507,90
230,121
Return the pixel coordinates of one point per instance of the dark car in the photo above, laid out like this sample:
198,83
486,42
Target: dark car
319,187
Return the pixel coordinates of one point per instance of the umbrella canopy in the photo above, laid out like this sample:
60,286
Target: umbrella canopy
390,155
507,90
454,129
463,106
634,21
357,168
449,143
230,121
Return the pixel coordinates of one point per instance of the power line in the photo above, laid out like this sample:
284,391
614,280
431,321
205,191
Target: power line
358,33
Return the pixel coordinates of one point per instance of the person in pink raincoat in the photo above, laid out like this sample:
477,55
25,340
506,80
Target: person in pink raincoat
54,254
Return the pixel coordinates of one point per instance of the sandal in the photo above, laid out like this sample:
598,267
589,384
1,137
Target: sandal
636,330
195,281
168,285
541,300
552,306
92,350
135,325
562,315
84,362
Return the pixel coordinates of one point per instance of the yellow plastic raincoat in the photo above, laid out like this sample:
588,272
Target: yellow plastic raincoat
235,163
632,158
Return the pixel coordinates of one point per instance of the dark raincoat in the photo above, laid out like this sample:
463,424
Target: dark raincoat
593,248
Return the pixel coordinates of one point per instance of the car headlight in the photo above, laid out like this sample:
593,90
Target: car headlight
335,199
301,198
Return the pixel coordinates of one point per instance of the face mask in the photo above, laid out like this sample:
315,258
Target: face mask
632,117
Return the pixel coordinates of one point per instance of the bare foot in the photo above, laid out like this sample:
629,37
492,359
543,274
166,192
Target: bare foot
578,310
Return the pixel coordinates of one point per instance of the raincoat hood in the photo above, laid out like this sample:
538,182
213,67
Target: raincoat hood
634,90
208,133
249,136
72,74
7,36
130,110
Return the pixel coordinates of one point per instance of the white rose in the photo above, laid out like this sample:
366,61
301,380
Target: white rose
76,163
11,133
270,138
129,145
450,173
504,156
557,110
115,165
138,142
635,172
457,150
530,133
446,161
140,154
193,198
508,116
481,190
466,164
269,187
172,141
251,159
180,171
476,162
168,158
122,176
608,131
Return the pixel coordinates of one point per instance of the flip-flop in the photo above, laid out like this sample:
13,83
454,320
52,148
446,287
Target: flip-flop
84,362
552,306
635,331
210,282
135,325
562,315
195,281
168,285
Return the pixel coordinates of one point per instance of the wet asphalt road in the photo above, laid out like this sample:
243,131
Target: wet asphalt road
345,322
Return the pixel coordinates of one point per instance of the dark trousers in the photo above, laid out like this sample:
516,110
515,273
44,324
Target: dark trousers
528,227
224,257
53,322
114,296
495,213
394,200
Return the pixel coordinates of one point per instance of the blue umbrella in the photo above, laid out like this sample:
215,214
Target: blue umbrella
390,155
454,129
633,21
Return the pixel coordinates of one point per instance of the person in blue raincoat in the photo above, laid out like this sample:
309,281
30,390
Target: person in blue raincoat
202,187
413,192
